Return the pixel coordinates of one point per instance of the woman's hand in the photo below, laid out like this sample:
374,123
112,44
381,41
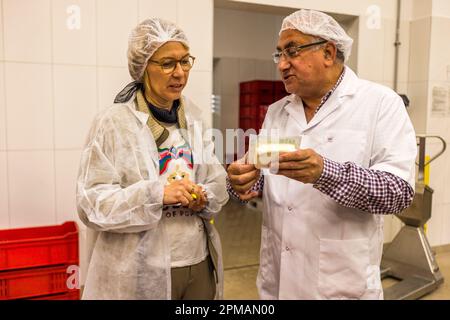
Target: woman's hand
178,192
200,199
185,192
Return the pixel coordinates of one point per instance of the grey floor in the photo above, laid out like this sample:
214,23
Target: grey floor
240,228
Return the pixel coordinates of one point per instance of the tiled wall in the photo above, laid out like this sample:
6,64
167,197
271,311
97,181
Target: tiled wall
54,79
435,16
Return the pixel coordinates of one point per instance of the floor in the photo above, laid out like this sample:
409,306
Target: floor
240,227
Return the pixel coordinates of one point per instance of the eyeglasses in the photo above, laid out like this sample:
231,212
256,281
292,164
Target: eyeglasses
169,65
292,52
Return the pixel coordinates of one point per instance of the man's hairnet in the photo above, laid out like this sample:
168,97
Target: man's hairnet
146,38
321,25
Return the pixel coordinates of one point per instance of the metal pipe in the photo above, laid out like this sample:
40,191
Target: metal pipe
397,44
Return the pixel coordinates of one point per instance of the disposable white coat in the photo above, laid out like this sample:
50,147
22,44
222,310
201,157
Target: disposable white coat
120,198
312,247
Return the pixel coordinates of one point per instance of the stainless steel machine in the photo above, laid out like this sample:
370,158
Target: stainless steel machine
409,257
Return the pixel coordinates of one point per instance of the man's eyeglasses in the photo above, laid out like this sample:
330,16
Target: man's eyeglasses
169,65
292,52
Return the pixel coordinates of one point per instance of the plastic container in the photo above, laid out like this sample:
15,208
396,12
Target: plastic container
248,112
35,282
40,246
248,123
73,295
254,100
260,87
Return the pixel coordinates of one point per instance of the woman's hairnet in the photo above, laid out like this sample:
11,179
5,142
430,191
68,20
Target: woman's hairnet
146,38
321,25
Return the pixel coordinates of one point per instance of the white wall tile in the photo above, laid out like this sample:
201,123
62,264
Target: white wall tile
4,213
445,239
392,226
66,168
75,104
158,9
439,50
196,20
438,176
217,80
441,8
115,20
404,52
418,96
2,108
230,75
247,69
419,49
110,82
230,112
421,9
29,106
435,224
370,65
264,70
389,50
402,87
27,30
199,82
32,188
199,90
74,32
233,36
1,32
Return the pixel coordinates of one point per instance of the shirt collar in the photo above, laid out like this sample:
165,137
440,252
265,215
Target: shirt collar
160,133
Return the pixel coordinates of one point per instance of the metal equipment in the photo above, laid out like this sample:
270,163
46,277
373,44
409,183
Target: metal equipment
409,257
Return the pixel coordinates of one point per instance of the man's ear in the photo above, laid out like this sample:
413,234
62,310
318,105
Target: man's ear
329,53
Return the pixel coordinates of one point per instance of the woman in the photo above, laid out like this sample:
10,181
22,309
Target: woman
142,190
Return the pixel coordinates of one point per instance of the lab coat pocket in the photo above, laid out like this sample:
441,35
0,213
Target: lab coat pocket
343,268
345,145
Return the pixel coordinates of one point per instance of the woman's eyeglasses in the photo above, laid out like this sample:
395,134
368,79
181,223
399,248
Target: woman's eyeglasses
169,65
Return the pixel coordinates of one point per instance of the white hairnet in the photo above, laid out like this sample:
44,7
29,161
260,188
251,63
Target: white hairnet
321,25
146,38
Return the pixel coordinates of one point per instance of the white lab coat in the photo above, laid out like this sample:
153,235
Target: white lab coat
312,247
119,198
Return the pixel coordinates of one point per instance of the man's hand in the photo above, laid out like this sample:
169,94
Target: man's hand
242,178
304,165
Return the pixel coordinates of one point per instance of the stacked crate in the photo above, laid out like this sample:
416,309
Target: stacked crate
255,97
40,263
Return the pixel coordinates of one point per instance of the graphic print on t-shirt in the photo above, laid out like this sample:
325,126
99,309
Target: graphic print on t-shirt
185,229
166,155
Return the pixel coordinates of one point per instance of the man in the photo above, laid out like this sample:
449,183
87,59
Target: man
322,230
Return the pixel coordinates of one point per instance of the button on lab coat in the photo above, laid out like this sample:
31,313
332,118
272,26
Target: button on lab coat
320,249
119,197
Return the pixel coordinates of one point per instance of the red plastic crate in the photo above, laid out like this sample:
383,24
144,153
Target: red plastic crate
248,111
279,88
279,91
248,123
254,100
73,295
263,87
262,111
34,282
37,247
